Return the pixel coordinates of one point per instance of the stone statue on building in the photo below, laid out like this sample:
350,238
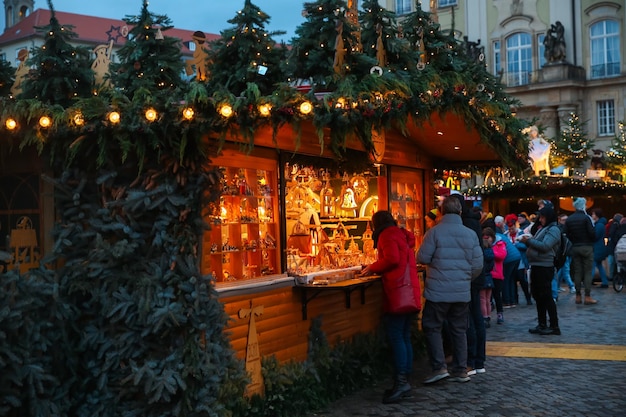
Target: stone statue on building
474,50
517,7
554,43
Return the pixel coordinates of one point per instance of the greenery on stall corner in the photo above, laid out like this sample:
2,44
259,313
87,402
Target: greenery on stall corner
293,389
138,330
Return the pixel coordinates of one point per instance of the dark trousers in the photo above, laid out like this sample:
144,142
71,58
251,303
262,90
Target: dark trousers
476,336
509,286
497,294
456,315
398,328
541,288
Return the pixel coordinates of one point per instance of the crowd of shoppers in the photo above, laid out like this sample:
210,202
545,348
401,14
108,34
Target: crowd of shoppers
477,263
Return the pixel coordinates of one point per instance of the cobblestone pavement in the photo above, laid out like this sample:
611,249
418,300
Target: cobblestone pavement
518,383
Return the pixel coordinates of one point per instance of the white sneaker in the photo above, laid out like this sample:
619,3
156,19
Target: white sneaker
480,370
572,290
471,371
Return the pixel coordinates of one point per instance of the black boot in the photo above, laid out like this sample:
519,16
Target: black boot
401,388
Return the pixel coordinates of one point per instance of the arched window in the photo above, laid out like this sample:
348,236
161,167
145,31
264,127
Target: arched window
24,12
519,59
605,59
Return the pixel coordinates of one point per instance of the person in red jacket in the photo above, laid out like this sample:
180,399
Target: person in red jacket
395,253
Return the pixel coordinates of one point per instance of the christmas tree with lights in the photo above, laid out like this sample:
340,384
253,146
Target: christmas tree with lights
381,38
327,46
616,155
148,58
571,148
61,71
247,53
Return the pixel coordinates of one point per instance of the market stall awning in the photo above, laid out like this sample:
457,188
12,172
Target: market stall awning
448,140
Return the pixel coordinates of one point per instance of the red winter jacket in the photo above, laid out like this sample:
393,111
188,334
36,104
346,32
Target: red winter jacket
395,249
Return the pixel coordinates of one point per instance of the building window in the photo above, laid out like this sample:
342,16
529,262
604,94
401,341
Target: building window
519,59
403,6
3,57
605,59
606,118
497,64
446,3
541,50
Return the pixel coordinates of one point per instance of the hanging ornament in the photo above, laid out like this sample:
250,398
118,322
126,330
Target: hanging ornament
159,35
480,87
376,69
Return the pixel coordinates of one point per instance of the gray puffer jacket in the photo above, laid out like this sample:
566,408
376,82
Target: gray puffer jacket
543,246
453,258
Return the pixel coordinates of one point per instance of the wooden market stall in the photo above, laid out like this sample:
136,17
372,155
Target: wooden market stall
290,232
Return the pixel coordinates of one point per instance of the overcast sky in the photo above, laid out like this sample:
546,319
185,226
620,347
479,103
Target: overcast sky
207,15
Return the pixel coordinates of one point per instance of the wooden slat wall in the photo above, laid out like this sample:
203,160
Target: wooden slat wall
282,332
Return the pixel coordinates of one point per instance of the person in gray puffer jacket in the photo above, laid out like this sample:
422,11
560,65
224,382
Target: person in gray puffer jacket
541,253
454,258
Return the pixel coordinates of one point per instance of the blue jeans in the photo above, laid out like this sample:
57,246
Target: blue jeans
456,315
476,336
562,275
598,265
398,328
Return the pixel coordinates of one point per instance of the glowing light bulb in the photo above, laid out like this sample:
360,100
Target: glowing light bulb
188,113
10,124
306,107
45,122
151,115
226,110
78,119
114,117
264,109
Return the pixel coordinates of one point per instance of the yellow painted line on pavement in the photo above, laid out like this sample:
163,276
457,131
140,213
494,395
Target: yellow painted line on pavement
558,351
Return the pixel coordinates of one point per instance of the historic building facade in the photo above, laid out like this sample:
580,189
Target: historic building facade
555,56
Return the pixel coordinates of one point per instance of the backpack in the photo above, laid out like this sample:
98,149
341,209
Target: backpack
563,251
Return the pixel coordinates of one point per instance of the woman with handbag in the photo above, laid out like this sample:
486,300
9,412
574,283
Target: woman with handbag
402,302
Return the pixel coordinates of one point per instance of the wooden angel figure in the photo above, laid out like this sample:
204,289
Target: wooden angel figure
200,57
100,65
381,55
340,51
21,71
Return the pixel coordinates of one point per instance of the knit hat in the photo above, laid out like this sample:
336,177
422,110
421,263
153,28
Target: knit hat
510,219
580,203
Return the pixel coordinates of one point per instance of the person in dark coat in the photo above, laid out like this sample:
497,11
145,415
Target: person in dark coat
580,231
470,218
